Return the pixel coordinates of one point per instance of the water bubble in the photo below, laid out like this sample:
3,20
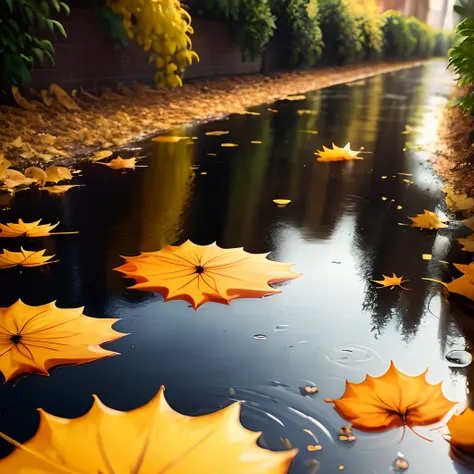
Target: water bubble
282,327
260,337
458,358
400,464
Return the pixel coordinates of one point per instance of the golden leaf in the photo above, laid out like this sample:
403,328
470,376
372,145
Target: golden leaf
36,174
463,285
467,243
47,97
63,97
458,202
338,154
33,339
469,222
169,139
32,229
57,173
21,101
14,178
61,189
150,439
461,431
203,273
391,282
101,155
4,165
392,400
120,164
217,133
428,220
282,202
229,145
25,258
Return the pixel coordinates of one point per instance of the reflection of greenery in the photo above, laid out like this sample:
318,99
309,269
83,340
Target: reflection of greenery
165,191
247,178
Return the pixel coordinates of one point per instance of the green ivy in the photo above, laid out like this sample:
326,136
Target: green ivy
22,25
342,36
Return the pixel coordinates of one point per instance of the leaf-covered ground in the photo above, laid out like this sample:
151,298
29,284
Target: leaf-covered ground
115,118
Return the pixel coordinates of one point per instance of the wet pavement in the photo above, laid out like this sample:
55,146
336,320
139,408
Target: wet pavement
329,325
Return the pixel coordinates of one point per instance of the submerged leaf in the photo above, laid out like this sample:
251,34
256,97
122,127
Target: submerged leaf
151,439
204,273
33,339
24,258
392,400
338,154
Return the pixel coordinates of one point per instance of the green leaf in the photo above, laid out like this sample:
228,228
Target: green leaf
10,5
39,53
58,26
65,8
56,5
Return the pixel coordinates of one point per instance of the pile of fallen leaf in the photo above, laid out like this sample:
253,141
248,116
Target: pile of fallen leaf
54,125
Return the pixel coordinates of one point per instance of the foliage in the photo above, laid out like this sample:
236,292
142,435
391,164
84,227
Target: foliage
162,27
300,20
398,40
444,40
370,23
228,9
23,23
424,36
465,8
462,61
111,23
256,26
341,33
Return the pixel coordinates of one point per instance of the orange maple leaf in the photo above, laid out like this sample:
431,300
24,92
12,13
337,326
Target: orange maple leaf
31,229
461,431
392,400
35,338
150,439
463,285
338,154
392,282
202,273
25,258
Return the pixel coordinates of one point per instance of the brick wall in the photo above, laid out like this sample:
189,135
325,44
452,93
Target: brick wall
90,59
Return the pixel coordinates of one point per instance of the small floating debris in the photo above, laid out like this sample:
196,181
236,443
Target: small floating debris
228,145
256,142
251,113
405,174
287,443
458,359
282,202
399,207
217,133
384,177
295,97
282,327
346,434
204,173
273,111
400,463
306,112
384,198
169,139
260,337
212,154
316,447
426,256
308,390
311,132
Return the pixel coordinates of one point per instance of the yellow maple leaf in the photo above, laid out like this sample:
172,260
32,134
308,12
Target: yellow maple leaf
24,258
428,220
392,400
150,439
467,243
120,164
32,229
391,282
463,285
338,154
57,173
33,339
458,202
203,273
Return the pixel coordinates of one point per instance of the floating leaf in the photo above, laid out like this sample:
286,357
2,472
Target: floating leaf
282,202
428,220
120,164
469,222
338,154
4,165
458,202
63,97
14,178
217,133
25,258
57,173
101,155
36,174
32,229
151,439
461,432
391,282
203,273
61,189
229,145
392,400
467,243
33,339
169,139
463,285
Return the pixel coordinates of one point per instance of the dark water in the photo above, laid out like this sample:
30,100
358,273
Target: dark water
337,231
